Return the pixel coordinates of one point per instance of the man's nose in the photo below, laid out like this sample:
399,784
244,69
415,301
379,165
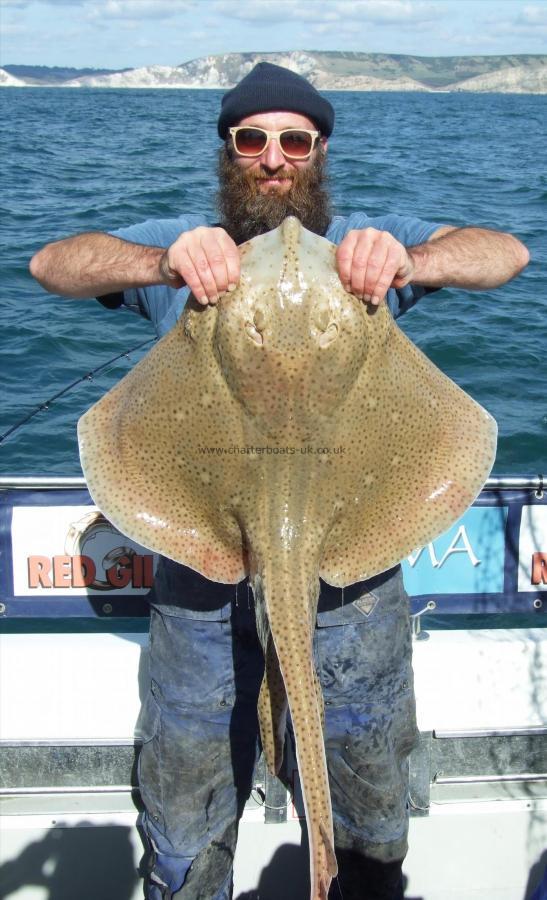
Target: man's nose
273,157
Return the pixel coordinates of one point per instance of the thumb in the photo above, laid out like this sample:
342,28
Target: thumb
168,275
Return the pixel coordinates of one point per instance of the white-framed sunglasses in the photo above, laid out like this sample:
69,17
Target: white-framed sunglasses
294,143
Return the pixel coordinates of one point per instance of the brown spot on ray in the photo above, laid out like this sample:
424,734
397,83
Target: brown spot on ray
287,362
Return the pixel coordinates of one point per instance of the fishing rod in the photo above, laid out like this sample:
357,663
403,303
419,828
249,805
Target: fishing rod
88,376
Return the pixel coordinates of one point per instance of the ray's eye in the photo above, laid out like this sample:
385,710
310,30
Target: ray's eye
322,318
254,332
255,327
330,333
259,319
326,326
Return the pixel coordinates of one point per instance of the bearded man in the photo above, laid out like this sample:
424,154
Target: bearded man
199,723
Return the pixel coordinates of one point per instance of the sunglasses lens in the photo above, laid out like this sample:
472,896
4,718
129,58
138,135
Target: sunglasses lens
250,141
296,144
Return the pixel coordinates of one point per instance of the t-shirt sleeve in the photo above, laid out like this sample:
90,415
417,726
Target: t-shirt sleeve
157,232
409,230
158,303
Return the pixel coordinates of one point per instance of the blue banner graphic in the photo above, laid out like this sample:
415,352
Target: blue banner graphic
60,558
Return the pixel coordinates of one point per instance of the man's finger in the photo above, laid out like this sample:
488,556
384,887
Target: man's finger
344,257
360,262
169,275
366,263
375,263
215,276
385,277
204,272
185,265
232,258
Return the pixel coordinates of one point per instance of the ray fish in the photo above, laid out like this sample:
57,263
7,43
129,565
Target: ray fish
286,434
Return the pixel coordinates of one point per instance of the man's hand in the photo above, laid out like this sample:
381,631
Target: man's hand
371,261
205,259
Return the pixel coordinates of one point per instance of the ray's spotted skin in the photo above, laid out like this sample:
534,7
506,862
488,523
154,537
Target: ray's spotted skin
287,433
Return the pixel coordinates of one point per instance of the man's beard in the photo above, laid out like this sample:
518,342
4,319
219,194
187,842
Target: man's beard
246,212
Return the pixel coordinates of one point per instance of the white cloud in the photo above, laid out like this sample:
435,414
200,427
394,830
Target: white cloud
136,10
330,10
390,10
255,10
533,15
146,44
529,23
28,3
13,29
530,16
116,9
343,30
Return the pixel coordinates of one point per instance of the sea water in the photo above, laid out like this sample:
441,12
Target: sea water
77,160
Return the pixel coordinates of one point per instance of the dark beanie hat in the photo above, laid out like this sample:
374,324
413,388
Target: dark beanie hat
268,87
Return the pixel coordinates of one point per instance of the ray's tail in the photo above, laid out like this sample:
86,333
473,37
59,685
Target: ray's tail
286,601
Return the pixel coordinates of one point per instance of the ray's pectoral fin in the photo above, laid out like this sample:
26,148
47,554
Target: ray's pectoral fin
425,449
152,452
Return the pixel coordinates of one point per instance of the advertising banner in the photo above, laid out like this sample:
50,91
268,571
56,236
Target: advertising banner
61,558
494,559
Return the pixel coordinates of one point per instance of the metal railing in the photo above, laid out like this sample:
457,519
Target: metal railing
26,482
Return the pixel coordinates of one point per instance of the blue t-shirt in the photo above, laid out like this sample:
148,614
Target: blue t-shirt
164,305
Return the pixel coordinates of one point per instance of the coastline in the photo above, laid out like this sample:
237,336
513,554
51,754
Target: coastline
338,90
326,71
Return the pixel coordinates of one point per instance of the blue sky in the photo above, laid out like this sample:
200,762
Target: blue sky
130,33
